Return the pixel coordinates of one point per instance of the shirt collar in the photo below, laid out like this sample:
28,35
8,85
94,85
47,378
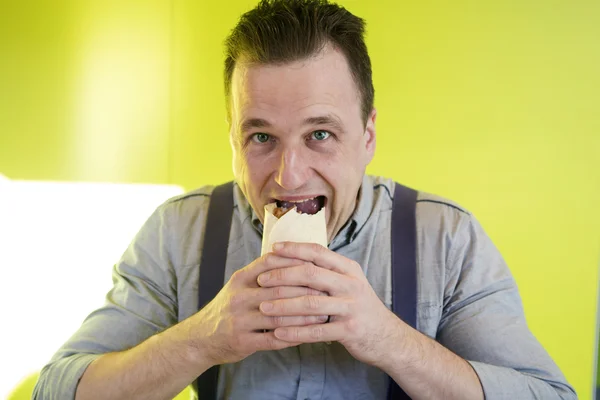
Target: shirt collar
362,212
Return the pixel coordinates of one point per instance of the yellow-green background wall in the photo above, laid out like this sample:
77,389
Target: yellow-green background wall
493,104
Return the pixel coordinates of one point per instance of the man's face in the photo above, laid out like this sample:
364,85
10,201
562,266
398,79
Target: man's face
297,133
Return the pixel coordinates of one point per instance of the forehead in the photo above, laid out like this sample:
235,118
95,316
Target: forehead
317,84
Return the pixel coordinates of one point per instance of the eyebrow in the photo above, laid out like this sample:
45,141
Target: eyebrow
327,119
254,123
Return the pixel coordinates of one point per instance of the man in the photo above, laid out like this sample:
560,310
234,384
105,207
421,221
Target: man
305,321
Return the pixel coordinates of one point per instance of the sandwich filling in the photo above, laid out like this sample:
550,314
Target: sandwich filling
309,206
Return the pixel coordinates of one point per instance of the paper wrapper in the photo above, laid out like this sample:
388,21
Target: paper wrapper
293,227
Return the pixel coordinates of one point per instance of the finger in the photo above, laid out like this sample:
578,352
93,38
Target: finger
306,305
247,275
286,292
255,321
307,274
331,332
252,297
318,255
284,321
268,341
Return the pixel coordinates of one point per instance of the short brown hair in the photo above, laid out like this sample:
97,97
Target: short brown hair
282,31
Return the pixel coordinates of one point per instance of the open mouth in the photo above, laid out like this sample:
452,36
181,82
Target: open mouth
308,206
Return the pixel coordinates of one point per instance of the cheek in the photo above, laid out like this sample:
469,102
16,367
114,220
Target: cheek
355,157
336,165
255,170
240,168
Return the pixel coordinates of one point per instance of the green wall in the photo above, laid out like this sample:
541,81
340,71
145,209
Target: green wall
493,104
85,90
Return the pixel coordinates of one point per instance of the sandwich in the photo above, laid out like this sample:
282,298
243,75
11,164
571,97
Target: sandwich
287,221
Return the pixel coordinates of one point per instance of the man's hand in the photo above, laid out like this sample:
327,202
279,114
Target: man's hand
359,320
231,325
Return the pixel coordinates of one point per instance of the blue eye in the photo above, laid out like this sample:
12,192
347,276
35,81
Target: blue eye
320,135
260,137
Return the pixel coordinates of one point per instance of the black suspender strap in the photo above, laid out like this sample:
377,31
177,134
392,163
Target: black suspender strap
403,260
212,267
404,265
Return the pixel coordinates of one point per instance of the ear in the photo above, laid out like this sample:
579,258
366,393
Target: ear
370,136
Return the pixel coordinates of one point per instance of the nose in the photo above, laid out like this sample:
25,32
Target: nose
293,170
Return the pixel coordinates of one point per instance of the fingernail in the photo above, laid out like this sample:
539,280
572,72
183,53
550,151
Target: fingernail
266,306
277,246
281,333
322,318
262,278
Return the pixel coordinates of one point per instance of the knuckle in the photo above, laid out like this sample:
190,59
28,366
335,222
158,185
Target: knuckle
350,307
277,320
316,332
279,274
271,343
312,302
268,259
311,271
352,326
294,334
277,292
237,275
317,248
236,300
279,306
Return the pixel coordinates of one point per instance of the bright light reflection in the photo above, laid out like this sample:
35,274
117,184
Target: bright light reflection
58,243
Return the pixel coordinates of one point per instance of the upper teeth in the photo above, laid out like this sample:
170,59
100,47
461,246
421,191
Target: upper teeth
302,201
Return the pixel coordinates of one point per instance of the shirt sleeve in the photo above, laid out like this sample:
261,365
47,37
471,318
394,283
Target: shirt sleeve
483,322
141,303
